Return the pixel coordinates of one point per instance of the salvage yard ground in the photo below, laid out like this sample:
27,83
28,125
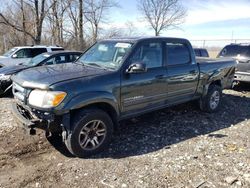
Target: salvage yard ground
175,147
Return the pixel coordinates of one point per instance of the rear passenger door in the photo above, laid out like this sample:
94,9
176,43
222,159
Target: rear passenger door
147,90
183,72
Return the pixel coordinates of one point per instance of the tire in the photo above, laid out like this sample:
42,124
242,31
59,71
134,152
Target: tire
92,132
212,101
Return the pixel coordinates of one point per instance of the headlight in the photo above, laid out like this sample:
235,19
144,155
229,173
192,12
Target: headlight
46,99
4,77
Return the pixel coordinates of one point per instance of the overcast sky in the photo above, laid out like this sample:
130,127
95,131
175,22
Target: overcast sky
207,19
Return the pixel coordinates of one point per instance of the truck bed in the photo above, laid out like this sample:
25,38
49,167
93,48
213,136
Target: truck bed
217,69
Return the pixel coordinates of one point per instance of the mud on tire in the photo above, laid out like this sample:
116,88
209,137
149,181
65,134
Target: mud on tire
92,132
212,101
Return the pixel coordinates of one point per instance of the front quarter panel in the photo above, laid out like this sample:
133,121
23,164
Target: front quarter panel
89,90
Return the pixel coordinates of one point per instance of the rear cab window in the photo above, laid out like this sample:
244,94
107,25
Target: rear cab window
178,53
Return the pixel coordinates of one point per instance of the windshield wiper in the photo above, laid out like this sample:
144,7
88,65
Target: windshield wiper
95,64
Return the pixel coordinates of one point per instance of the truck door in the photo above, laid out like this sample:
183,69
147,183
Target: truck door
144,91
183,72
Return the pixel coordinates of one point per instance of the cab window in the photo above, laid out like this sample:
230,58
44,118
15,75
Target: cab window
149,53
177,54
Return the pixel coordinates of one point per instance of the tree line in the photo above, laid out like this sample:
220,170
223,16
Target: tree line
75,24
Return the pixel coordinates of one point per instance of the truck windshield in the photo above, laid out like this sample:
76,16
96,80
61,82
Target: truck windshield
107,54
36,60
10,52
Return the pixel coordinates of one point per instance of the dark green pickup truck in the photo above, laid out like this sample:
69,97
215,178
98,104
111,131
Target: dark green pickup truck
114,80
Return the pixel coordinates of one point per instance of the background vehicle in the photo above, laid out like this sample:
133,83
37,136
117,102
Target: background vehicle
21,54
114,80
201,52
48,58
240,52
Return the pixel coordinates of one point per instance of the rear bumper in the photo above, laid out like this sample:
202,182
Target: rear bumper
242,76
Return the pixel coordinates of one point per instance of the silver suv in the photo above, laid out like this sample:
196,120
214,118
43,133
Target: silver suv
21,54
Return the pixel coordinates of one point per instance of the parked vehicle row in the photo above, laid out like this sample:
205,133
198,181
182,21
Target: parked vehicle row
47,58
21,54
116,79
240,52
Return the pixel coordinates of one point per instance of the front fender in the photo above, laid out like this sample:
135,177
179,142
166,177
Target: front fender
89,98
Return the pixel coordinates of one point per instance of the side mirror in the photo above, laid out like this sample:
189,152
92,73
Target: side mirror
14,56
137,68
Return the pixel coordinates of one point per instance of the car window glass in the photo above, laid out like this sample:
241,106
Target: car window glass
73,57
60,59
23,53
57,49
197,52
49,61
204,53
150,54
8,53
177,53
234,50
37,51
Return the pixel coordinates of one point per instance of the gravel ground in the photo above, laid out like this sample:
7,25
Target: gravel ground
175,147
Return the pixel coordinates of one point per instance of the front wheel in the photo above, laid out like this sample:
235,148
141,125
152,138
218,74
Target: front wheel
93,129
211,102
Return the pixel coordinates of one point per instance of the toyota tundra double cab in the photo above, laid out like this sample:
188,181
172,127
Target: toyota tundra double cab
113,80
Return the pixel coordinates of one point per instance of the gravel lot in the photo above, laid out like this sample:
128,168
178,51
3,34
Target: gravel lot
175,147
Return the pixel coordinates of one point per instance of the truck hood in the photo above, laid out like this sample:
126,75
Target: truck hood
12,69
44,76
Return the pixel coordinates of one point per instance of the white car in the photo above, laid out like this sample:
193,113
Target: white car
21,54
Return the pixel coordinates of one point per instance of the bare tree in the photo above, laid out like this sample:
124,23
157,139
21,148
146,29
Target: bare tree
162,14
39,10
95,14
81,40
55,19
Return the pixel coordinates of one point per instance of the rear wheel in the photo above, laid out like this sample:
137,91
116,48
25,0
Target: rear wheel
211,102
92,132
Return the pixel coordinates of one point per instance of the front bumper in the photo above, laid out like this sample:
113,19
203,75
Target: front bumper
31,119
25,117
242,76
5,86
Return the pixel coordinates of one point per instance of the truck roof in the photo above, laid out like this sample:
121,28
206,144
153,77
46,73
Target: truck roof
139,38
62,52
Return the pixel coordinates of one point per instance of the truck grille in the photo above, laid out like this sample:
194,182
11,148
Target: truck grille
19,92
